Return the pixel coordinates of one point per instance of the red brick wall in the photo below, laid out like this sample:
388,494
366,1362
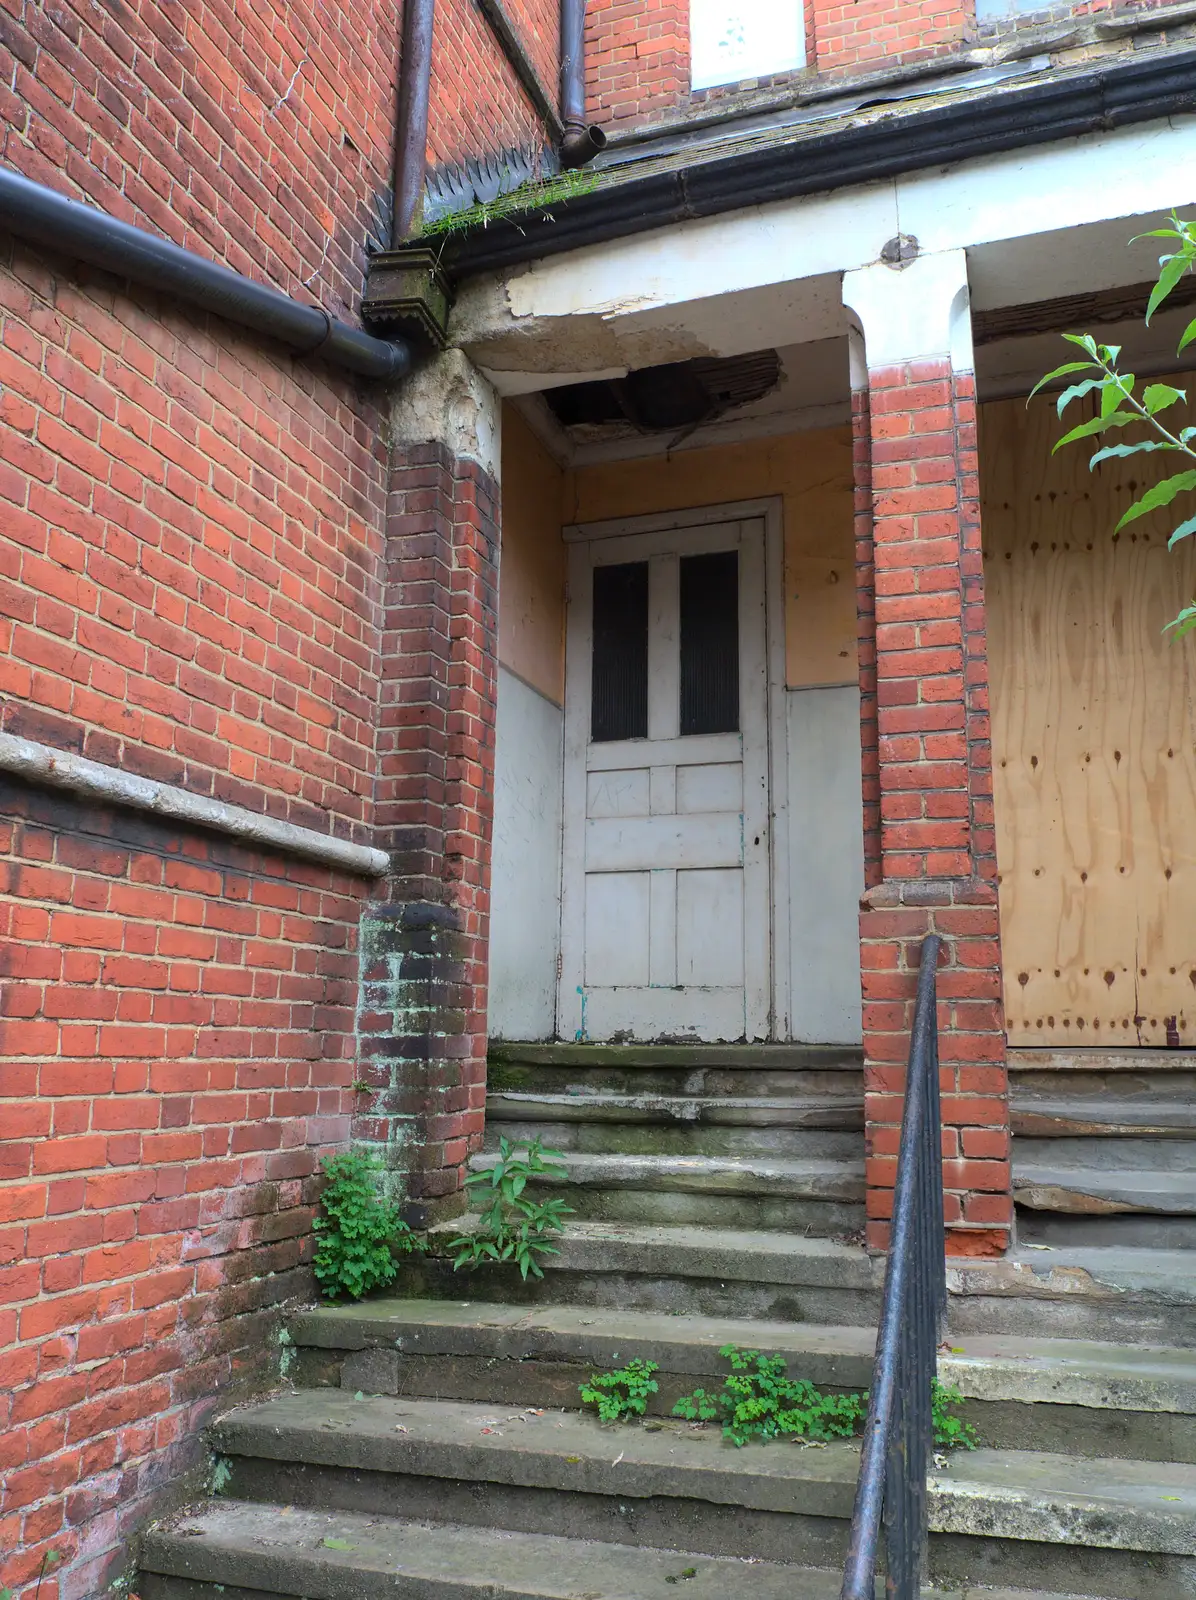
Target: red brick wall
637,60
190,550
478,105
176,1020
864,34
934,777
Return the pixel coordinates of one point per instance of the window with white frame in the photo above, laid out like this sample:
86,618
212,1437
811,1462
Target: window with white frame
731,40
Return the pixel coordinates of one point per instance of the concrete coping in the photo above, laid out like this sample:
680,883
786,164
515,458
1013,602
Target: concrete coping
58,769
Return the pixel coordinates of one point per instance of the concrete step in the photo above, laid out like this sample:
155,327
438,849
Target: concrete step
803,1194
663,1110
1104,1116
730,1071
1121,1527
241,1549
707,1271
1066,1292
336,1555
684,1137
1079,1398
1102,1060
1097,1189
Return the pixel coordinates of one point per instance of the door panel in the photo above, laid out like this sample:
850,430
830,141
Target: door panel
665,903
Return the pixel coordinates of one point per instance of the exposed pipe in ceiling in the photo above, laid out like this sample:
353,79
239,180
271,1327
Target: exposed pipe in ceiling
41,215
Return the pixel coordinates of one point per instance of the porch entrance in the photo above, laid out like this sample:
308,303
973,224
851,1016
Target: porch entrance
665,906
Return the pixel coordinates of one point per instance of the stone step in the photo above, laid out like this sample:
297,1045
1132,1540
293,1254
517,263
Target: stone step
1022,1518
727,1071
1098,1189
708,1271
242,1549
789,1057
1106,1294
1080,1398
331,1555
1102,1060
684,1138
1050,1116
731,1111
750,1191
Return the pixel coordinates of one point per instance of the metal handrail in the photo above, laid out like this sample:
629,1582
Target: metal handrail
898,1435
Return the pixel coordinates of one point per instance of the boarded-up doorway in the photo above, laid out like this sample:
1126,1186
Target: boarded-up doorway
1093,719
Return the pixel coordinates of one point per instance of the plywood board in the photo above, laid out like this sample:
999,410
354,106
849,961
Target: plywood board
531,583
1093,725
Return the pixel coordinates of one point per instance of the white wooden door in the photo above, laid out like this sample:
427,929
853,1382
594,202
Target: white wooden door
665,894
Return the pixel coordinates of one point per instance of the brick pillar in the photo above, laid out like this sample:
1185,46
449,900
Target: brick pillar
422,1022
931,862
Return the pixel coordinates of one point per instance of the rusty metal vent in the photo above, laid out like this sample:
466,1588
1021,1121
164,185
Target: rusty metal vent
683,394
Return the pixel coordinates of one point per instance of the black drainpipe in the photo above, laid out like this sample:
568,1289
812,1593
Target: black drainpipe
42,216
582,141
415,76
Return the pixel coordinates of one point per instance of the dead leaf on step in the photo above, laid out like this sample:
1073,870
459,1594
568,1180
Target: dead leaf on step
338,1544
399,1428
811,1444
618,1458
572,1460
653,1427
680,1577
497,1432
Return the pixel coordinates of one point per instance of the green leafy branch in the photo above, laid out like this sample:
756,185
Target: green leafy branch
359,1231
621,1394
514,1226
758,1400
1118,406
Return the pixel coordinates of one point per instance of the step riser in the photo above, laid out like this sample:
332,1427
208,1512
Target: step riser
157,1586
1106,1321
706,1527
704,1297
662,1522
1125,1231
821,1219
503,1383
710,1081
678,1138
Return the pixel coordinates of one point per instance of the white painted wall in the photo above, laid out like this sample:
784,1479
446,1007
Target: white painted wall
525,903
826,863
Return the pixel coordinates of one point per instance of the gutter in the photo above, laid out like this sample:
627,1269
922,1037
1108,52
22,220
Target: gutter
41,215
1094,100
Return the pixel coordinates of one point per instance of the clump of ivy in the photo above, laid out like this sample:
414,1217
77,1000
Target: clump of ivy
759,1400
623,1394
513,1227
359,1232
530,196
951,1432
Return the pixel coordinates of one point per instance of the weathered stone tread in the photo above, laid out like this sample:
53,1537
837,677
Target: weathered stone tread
779,1111
269,1550
730,1175
781,1057
1021,1495
989,1367
1111,1190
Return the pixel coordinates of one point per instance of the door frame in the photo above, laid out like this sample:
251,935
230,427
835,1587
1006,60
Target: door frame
769,509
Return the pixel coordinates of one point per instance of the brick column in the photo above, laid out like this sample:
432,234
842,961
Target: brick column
931,864
422,1021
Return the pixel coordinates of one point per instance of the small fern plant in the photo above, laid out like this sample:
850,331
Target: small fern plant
359,1232
513,1227
758,1400
623,1394
951,1432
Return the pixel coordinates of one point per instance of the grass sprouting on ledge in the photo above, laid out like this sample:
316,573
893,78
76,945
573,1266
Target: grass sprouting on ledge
529,196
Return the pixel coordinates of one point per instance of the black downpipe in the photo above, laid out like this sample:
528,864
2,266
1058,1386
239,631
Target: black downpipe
415,77
41,215
581,141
